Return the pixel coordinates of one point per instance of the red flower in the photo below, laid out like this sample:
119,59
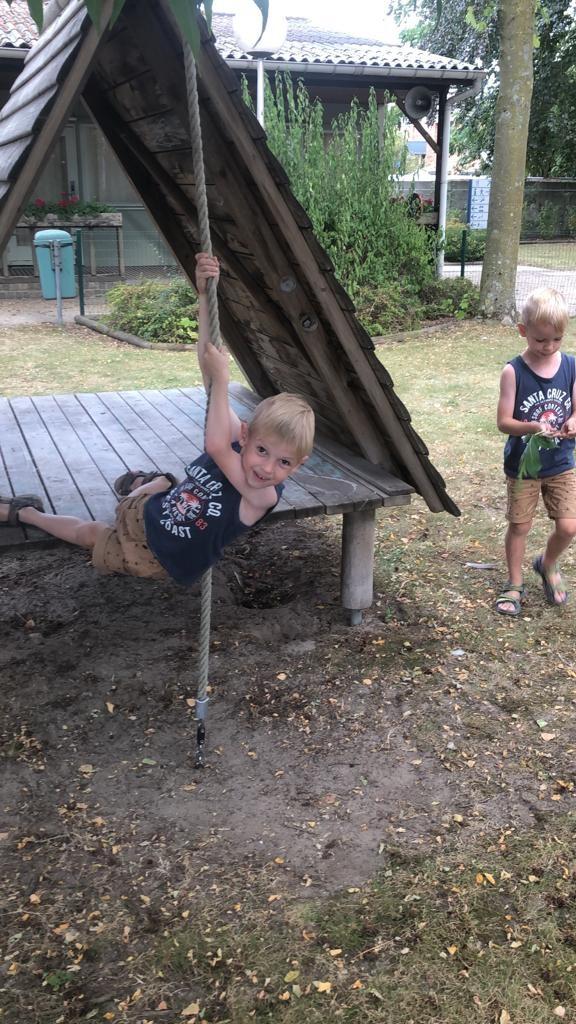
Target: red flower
40,202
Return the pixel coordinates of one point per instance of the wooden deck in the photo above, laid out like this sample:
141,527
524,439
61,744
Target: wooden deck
69,449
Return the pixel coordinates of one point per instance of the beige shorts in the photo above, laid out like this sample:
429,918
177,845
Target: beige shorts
558,494
122,548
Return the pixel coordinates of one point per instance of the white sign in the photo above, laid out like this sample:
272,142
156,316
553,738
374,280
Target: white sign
478,201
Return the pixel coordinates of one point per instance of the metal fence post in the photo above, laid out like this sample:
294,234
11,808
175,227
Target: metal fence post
463,246
80,270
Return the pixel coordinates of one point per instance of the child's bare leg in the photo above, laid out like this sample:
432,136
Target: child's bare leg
515,548
82,532
564,533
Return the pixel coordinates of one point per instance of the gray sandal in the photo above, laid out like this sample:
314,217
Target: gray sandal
505,597
16,504
125,483
550,589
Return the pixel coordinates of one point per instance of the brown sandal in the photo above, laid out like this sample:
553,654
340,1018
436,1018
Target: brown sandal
125,483
17,503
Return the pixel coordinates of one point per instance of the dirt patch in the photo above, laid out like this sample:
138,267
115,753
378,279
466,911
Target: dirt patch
328,748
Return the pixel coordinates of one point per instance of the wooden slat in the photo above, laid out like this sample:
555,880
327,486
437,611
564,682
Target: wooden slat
10,536
101,451
96,493
158,452
18,462
65,497
128,450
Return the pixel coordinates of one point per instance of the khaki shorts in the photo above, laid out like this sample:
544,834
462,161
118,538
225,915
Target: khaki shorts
122,548
558,494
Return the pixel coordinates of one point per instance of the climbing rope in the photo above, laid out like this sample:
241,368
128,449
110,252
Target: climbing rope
214,321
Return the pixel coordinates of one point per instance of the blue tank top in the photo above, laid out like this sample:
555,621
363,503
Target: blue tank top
545,400
187,527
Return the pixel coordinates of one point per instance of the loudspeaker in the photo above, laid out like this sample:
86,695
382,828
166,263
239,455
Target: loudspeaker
418,102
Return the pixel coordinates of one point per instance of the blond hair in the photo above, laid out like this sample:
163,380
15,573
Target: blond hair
545,306
287,417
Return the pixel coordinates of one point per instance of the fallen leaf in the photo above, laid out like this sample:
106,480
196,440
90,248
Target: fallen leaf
284,997
291,976
335,952
559,1011
452,949
505,1017
322,986
110,707
191,1010
547,736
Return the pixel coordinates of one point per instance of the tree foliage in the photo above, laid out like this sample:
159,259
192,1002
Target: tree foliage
346,184
469,31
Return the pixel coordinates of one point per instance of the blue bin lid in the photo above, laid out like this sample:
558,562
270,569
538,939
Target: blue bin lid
49,235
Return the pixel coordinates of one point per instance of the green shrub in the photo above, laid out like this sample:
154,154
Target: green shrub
549,220
345,181
160,312
475,244
450,296
394,307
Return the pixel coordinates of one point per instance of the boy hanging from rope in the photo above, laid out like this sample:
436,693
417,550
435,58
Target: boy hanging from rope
164,530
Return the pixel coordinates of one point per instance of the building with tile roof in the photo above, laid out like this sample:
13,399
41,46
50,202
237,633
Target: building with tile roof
334,66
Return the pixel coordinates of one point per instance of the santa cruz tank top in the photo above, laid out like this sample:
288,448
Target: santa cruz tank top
545,400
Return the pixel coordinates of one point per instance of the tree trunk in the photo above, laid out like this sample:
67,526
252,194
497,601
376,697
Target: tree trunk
516,30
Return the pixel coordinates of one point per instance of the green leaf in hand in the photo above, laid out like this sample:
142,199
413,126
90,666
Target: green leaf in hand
531,462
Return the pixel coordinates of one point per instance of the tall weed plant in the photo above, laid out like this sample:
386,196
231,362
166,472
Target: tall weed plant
345,179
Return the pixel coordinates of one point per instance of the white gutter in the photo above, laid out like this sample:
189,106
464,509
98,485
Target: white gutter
464,94
14,52
361,70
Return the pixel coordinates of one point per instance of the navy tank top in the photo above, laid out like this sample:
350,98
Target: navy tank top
188,526
545,400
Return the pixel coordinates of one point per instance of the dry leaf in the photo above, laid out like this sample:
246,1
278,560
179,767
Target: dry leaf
490,878
191,1010
110,707
322,986
284,997
452,950
291,976
271,899
559,1011
547,736
505,1017
35,898
335,952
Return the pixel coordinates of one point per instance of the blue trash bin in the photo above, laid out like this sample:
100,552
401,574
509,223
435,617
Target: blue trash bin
48,244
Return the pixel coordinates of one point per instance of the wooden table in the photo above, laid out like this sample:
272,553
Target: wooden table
70,448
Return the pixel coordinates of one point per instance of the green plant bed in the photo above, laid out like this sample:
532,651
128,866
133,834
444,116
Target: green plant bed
475,244
397,307
163,313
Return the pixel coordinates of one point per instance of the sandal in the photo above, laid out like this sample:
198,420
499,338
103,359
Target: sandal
125,483
551,590
504,597
16,504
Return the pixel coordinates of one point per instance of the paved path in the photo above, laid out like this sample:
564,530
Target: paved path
39,311
527,279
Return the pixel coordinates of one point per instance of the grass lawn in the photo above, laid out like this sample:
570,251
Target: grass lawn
550,255
472,921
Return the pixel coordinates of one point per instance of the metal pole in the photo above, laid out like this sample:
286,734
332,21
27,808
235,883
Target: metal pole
80,271
463,247
58,278
260,90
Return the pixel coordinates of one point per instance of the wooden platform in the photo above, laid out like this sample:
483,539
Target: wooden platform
69,449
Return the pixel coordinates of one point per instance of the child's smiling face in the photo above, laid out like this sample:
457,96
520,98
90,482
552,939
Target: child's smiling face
267,461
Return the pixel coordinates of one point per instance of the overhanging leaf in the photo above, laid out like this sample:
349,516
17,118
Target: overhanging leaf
37,11
117,9
262,6
185,13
